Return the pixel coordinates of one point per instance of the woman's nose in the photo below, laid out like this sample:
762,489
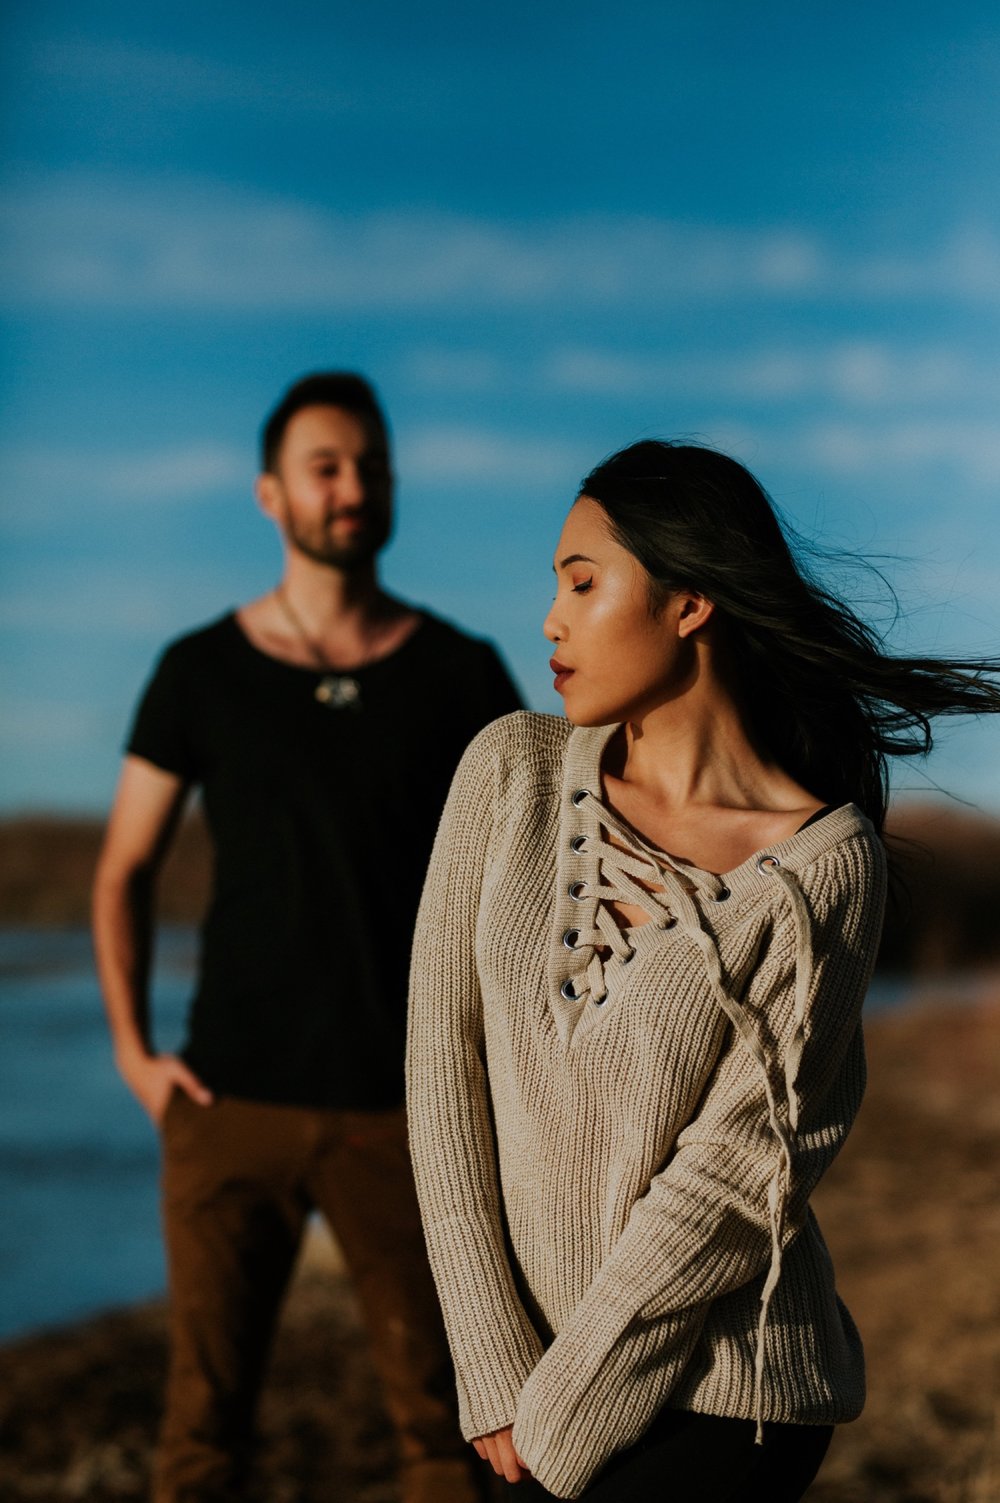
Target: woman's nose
552,627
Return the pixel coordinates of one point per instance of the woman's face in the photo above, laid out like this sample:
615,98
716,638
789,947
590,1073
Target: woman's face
614,660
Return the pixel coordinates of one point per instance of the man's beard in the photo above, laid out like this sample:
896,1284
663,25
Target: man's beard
316,543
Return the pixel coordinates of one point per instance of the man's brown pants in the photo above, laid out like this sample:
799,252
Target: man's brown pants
239,1181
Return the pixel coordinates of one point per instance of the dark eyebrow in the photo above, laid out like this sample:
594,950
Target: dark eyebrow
574,558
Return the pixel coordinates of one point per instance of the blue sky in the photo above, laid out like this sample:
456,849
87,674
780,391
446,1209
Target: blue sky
544,231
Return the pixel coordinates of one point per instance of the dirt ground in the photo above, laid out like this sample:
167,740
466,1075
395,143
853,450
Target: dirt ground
911,1211
912,1216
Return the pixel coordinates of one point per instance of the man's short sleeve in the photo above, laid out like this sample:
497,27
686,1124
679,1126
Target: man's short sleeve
161,730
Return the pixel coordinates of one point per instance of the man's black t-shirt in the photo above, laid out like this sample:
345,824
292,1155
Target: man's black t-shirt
322,821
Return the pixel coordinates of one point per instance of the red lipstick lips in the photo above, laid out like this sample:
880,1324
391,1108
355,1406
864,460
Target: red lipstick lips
561,672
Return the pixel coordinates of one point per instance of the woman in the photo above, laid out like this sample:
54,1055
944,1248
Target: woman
635,1042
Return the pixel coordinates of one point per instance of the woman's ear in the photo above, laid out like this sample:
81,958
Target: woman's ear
693,611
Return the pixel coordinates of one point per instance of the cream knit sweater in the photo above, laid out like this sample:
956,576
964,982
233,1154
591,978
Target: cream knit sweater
615,1133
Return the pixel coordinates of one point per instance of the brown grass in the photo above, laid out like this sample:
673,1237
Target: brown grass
47,869
911,1214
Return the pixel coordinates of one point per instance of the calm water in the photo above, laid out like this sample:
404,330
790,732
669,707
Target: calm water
79,1227
78,1157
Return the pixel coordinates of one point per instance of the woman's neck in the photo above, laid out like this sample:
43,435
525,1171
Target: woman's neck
696,750
694,785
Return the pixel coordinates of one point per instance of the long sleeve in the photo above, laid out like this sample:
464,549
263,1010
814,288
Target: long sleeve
704,1228
494,1345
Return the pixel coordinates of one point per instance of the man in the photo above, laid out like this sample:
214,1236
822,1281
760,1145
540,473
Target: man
322,723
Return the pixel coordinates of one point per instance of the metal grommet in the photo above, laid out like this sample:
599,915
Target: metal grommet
722,894
579,796
628,957
570,938
767,863
599,1001
668,922
577,891
578,844
566,992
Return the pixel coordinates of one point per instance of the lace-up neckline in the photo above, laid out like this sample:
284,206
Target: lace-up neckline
666,896
594,944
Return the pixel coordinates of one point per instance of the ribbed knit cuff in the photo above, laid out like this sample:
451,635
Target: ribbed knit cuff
570,1422
488,1397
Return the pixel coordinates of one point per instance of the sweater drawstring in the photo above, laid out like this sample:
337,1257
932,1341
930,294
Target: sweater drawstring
619,871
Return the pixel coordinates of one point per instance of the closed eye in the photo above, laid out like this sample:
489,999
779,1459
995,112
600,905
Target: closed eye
583,586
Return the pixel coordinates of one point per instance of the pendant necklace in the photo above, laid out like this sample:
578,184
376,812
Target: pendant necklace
337,691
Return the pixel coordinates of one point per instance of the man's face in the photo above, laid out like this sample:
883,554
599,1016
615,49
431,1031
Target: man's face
331,494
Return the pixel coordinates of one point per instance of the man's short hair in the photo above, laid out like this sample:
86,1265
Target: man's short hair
323,389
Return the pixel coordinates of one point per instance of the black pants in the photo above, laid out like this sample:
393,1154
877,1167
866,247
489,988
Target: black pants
698,1458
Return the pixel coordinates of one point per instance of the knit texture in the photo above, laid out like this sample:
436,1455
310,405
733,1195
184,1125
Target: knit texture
615,1137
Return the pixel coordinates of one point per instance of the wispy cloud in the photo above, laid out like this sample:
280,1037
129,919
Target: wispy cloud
109,602
39,483
114,243
968,260
451,455
854,372
178,474
851,372
939,460
850,410
964,447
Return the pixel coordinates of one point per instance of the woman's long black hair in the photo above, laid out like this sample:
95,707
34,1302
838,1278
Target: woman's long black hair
821,694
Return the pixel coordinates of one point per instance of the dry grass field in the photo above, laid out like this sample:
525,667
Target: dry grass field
910,1210
47,867
911,1213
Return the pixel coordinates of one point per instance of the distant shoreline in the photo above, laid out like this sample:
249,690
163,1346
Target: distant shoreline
47,865
941,917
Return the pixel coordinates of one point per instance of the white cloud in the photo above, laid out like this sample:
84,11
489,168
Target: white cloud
968,260
103,602
858,373
178,474
113,242
38,483
443,455
964,447
945,461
